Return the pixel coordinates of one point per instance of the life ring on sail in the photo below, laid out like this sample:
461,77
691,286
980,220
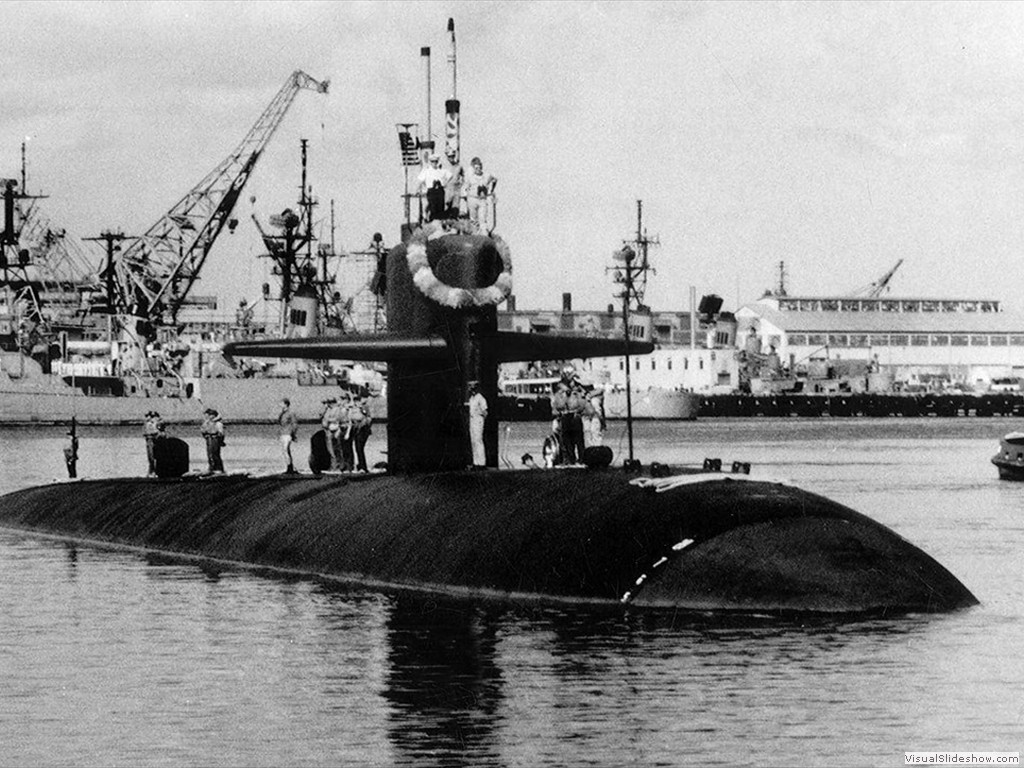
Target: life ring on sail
449,296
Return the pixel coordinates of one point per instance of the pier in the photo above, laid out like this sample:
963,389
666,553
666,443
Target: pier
863,405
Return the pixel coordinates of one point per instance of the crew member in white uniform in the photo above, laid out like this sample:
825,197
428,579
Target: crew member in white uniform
432,181
479,191
477,414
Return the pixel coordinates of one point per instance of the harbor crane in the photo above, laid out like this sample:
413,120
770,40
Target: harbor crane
877,288
155,272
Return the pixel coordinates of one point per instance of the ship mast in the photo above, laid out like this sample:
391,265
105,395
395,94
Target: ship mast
24,248
292,250
428,143
632,275
781,289
451,106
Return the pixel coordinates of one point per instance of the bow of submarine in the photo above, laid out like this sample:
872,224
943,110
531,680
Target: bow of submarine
756,546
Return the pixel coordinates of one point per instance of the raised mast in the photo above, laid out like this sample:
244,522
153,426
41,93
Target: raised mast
428,141
451,106
632,275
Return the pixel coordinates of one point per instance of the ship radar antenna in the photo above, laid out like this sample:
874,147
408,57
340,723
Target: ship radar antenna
409,145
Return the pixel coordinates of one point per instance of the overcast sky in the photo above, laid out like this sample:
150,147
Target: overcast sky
836,137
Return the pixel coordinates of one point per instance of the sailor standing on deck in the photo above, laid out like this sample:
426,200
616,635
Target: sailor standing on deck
152,428
595,409
576,404
479,190
289,432
432,181
477,414
71,452
212,431
347,432
361,423
331,422
561,426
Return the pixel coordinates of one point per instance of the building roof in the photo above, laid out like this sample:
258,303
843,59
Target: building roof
774,299
887,322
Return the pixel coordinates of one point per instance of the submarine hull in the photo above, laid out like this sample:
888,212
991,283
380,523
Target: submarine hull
705,542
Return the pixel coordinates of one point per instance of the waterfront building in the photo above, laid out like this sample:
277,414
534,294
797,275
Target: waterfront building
916,340
912,342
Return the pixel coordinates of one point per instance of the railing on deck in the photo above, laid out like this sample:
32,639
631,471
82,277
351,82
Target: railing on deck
462,212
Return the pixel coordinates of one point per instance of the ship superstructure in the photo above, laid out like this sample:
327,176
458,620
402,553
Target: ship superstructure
46,278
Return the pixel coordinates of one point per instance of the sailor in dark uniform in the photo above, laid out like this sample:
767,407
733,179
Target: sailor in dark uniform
212,430
151,430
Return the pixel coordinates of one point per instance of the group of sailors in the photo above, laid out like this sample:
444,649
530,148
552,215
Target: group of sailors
451,193
577,409
578,417
347,426
346,422
154,429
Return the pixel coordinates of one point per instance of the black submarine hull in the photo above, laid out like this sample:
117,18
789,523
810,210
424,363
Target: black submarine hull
704,542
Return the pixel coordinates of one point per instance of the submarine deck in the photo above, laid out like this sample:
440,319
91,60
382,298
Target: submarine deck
700,542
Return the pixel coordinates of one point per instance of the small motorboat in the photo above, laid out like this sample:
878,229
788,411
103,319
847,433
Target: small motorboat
1010,459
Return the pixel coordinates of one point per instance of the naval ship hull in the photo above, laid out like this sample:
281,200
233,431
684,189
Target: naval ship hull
50,400
648,405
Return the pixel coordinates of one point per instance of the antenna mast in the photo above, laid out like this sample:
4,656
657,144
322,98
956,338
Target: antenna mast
451,106
781,289
428,143
633,278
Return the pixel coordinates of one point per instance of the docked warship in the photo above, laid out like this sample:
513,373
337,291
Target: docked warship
105,342
607,533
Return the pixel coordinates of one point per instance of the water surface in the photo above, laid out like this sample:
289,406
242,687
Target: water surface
116,658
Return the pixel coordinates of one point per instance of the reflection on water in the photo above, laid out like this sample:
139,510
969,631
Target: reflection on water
113,658
443,682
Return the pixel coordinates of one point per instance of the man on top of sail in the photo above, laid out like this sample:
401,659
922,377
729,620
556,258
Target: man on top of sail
432,181
479,189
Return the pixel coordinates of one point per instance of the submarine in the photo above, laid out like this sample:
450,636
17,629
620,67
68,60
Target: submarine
682,540
685,541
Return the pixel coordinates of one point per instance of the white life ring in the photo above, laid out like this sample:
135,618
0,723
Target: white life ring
446,295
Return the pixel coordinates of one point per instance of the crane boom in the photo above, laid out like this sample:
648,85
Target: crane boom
879,286
156,272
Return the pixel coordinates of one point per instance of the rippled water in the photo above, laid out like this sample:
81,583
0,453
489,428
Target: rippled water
114,658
